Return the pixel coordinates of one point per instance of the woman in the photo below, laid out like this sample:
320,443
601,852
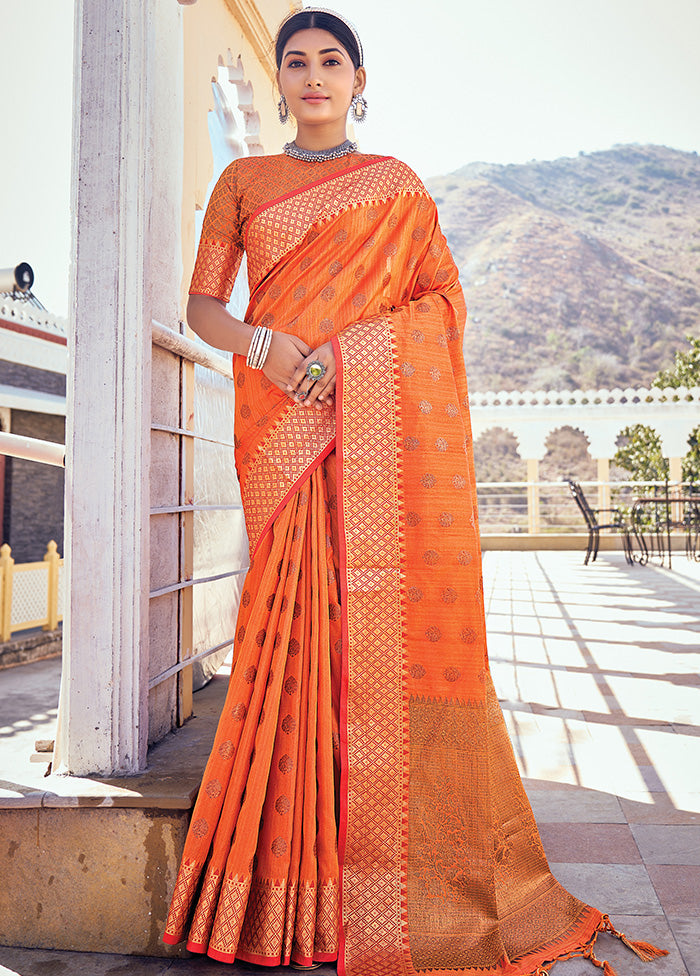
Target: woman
362,802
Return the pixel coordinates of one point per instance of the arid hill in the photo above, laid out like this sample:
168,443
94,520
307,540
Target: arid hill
580,272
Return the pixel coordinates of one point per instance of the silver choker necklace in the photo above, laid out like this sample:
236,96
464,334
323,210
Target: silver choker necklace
318,155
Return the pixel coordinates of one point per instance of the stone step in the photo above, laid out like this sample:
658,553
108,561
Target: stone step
88,864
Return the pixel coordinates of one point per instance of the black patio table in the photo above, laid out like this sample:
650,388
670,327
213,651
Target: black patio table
653,520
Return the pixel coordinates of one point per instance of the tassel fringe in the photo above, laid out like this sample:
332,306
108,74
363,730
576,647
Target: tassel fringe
645,950
602,964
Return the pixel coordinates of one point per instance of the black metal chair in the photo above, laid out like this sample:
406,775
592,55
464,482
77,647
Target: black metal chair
590,516
691,522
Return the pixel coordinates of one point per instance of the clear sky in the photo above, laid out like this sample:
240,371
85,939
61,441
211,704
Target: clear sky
450,82
36,69
455,81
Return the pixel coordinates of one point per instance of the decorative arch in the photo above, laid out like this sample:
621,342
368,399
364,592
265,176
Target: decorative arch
599,414
498,457
567,454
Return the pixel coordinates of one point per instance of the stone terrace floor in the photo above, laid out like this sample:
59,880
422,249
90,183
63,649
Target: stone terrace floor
598,671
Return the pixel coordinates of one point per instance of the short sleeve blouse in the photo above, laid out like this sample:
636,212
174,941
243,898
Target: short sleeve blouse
221,244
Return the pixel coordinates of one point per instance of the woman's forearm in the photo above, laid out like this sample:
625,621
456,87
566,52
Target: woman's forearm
210,320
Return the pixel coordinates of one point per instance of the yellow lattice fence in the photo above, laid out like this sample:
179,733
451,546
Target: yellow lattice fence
30,593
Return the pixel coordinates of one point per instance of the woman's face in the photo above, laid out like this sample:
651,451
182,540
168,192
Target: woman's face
317,77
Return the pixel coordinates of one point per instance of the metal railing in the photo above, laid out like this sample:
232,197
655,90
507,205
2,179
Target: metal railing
33,449
515,507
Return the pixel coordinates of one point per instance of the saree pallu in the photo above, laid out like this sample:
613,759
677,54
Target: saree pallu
362,801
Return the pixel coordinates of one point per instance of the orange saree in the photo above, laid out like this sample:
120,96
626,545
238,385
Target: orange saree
362,801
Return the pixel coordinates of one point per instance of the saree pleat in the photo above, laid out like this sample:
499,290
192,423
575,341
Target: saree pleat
362,800
263,835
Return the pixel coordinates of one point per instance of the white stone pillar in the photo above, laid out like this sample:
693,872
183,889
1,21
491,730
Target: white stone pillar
603,483
531,447
602,435
104,704
533,496
675,470
674,433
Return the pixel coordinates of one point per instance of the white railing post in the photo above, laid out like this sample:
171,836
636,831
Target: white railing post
103,714
54,560
533,496
603,464
6,568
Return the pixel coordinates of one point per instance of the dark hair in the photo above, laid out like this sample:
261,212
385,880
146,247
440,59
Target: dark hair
306,19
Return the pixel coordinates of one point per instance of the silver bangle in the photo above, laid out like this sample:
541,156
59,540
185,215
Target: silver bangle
259,347
267,339
255,347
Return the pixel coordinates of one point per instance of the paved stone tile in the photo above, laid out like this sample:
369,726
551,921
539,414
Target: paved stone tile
570,713
573,687
653,778
574,806
615,716
650,928
28,709
668,844
563,652
643,660
661,809
637,751
548,786
48,962
687,935
677,887
676,759
656,699
687,729
575,967
613,888
589,843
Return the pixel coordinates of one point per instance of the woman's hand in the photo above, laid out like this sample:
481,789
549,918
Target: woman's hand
317,393
284,357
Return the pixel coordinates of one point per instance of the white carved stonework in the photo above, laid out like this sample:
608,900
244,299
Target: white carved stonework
600,414
22,312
